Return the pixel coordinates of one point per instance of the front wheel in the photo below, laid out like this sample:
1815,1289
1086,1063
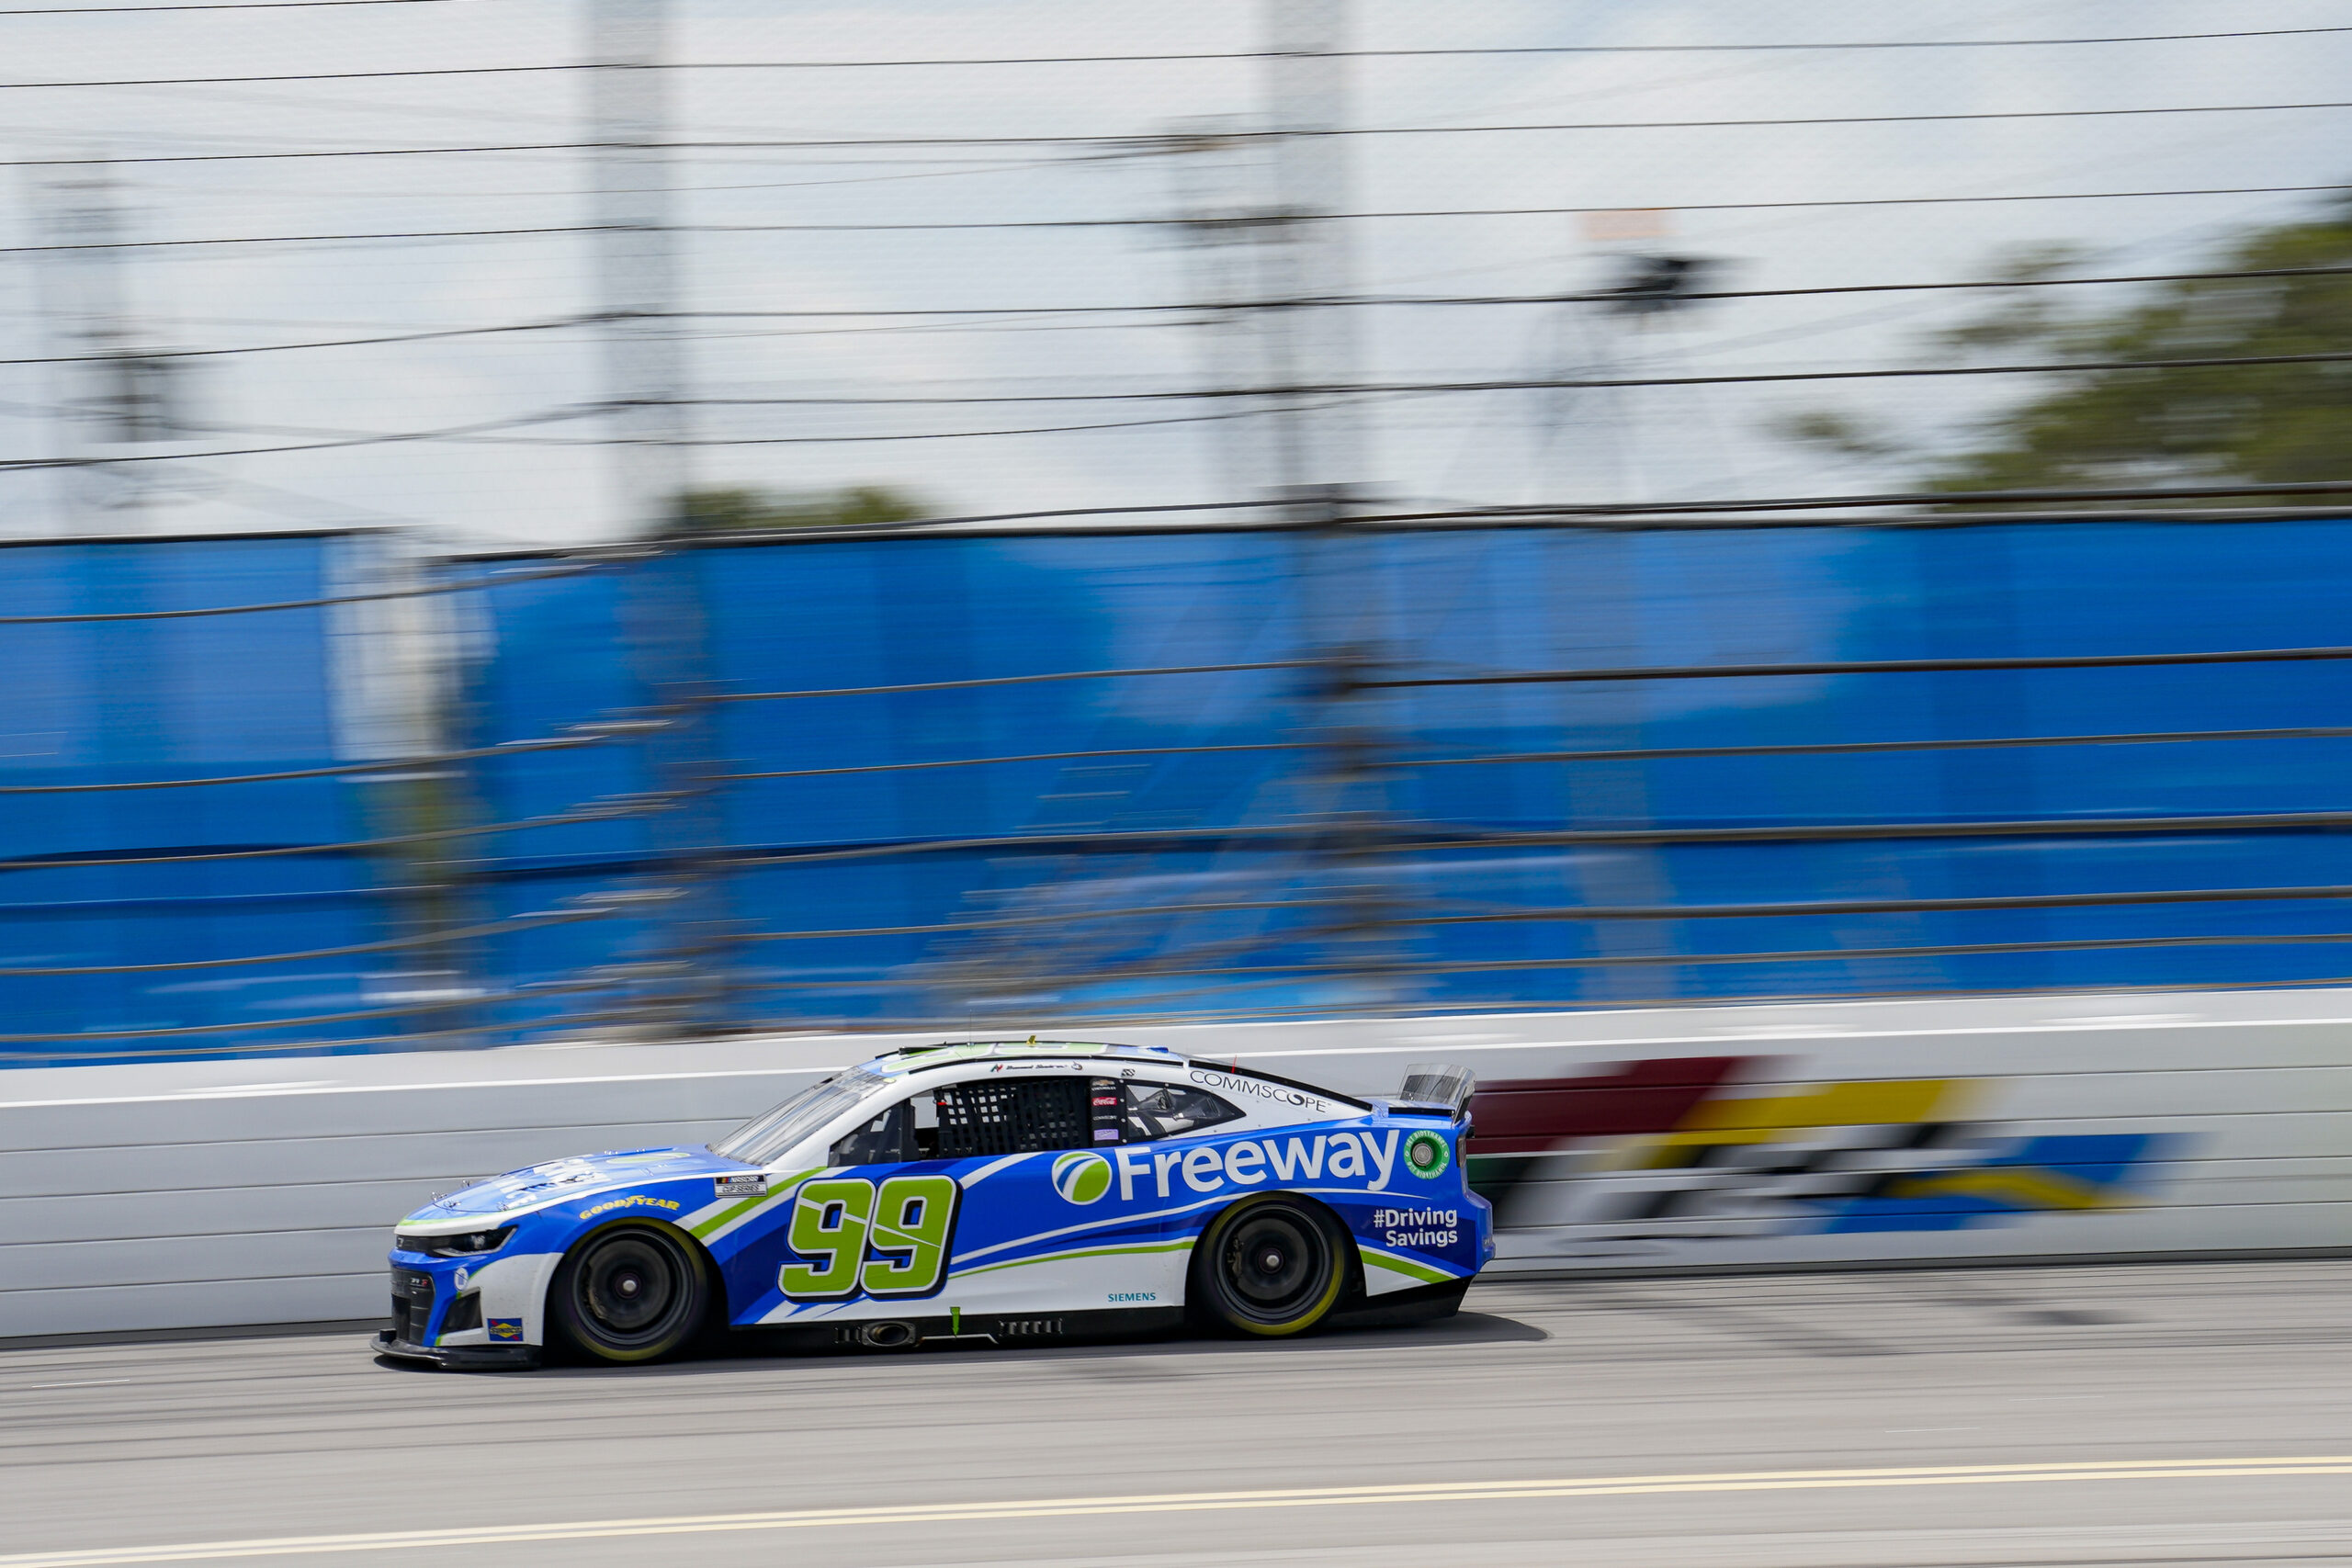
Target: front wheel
1270,1266
631,1293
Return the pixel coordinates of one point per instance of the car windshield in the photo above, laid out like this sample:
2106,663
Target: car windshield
768,1135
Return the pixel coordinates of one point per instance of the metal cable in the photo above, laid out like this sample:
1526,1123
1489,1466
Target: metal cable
497,928
1867,667
1552,512
1014,681
1644,960
1880,906
2057,828
520,994
1830,955
1845,748
204,5
1131,143
1507,1006
1587,297
1420,389
1032,757
1161,58
1397,842
1609,912
558,325
1055,918
482,585
505,749
619,810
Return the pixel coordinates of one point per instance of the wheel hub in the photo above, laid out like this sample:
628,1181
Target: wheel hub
1273,1265
629,1286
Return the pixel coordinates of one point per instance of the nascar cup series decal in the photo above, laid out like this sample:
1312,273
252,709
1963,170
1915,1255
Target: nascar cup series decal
1081,1176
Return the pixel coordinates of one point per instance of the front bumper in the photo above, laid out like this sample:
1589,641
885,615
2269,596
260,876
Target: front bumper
459,1357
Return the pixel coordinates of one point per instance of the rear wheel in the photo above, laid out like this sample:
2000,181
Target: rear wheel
631,1293
1270,1266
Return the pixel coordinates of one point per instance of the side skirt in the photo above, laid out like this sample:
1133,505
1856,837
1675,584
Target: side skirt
967,1328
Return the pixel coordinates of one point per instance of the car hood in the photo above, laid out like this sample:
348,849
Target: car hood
558,1180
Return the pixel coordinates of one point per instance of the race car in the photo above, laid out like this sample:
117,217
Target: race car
976,1193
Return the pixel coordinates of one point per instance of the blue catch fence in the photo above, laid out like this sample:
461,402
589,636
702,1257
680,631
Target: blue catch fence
1040,777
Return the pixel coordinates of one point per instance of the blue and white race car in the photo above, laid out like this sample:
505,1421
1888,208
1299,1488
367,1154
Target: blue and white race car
981,1192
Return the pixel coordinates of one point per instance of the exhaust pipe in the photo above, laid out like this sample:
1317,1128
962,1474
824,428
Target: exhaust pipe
891,1336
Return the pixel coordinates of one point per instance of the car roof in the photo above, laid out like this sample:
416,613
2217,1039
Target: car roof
920,1058
914,1058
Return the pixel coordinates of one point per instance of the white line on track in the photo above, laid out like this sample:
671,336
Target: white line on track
1196,1502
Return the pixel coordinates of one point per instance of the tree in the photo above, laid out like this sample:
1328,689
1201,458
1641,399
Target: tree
2149,428
745,510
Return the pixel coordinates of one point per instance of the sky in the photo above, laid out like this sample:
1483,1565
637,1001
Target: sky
499,442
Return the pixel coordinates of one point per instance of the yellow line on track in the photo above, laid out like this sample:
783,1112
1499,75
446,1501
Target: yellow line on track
1196,1502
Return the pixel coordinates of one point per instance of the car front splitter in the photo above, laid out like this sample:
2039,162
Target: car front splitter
459,1358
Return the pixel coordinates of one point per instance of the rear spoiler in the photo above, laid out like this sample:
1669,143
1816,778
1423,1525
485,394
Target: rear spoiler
1432,1089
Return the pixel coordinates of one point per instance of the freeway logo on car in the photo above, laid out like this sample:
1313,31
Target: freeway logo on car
1082,1178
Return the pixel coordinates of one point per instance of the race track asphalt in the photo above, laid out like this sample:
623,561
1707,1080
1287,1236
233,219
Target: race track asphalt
2167,1414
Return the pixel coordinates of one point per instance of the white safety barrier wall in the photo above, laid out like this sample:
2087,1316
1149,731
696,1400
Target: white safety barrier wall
223,1193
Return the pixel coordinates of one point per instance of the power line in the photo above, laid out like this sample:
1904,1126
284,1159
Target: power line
1950,498
1422,388
1580,297
1140,144
315,239
561,323
557,325
1650,513
204,6
371,438
1176,57
1505,211
501,581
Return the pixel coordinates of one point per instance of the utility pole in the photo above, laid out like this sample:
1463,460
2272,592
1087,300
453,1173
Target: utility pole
114,395
637,269
678,982
1218,172
1312,344
1308,271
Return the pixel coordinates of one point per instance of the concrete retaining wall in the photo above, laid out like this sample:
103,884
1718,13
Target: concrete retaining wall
221,1193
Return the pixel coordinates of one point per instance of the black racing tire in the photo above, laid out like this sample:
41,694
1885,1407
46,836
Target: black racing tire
629,1293
1270,1266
